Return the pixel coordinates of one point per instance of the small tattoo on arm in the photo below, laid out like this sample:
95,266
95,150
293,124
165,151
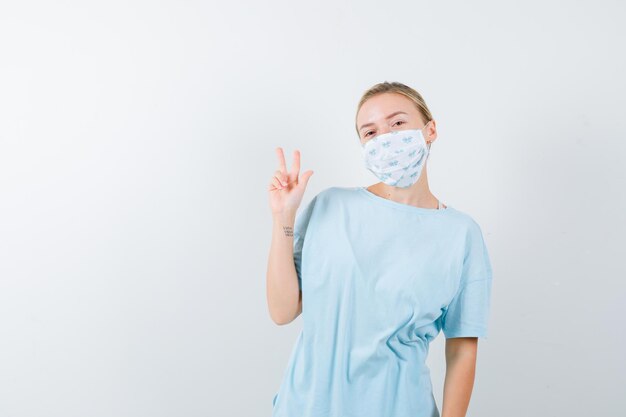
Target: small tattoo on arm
288,230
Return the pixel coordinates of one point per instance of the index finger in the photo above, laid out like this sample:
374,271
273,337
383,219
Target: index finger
295,167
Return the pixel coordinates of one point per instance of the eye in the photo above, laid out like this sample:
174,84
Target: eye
399,121
367,134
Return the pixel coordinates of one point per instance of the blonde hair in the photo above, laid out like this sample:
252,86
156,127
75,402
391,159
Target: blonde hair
396,87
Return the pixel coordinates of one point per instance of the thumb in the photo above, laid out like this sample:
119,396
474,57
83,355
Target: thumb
304,178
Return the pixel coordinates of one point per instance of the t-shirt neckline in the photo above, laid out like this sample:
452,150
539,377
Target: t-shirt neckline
406,207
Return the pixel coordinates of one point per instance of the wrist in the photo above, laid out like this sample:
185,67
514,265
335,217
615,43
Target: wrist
287,216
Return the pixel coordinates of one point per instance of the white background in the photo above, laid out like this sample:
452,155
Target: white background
137,141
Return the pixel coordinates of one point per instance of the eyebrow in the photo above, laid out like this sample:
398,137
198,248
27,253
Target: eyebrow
386,118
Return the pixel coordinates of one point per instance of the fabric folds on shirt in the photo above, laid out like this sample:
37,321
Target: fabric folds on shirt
379,281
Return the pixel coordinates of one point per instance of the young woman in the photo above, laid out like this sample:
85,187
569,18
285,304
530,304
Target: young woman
377,272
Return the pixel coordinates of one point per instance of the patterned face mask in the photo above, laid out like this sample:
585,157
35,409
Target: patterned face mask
396,158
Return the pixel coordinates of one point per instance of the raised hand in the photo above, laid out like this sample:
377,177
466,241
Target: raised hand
286,187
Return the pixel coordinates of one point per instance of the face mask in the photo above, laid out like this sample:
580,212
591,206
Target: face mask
396,158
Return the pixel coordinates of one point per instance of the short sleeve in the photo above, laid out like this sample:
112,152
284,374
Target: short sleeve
467,315
299,232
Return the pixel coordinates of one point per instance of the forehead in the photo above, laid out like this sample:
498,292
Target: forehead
380,106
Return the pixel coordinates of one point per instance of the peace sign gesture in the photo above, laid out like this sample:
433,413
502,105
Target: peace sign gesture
286,189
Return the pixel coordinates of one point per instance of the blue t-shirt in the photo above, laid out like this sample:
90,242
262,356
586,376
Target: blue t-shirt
379,280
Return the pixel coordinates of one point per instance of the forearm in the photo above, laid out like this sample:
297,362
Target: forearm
459,382
282,279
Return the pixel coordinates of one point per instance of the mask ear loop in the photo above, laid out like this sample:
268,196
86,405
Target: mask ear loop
428,143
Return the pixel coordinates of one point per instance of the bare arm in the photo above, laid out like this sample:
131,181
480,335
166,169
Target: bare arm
284,298
460,371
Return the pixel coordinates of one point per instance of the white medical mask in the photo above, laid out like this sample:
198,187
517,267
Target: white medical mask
397,157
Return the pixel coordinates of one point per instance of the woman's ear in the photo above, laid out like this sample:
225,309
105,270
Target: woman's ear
431,131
